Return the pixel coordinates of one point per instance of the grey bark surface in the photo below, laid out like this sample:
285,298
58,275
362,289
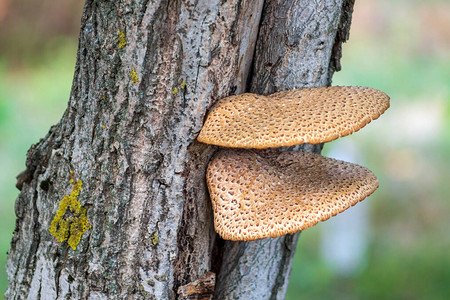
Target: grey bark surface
132,143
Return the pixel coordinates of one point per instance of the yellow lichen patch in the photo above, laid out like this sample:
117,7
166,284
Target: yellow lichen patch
182,87
155,239
134,76
121,39
70,221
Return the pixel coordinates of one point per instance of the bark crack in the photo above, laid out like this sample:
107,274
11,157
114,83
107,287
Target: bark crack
342,35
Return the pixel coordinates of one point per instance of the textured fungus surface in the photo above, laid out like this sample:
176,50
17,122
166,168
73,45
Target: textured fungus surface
269,194
287,118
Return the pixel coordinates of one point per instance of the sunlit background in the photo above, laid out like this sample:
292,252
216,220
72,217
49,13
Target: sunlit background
394,245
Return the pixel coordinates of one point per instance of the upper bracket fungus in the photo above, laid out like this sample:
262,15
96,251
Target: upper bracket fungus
287,118
259,194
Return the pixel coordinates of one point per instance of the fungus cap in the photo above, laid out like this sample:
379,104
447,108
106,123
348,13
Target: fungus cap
287,118
269,194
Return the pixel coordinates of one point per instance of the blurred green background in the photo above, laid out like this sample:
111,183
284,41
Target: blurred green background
394,245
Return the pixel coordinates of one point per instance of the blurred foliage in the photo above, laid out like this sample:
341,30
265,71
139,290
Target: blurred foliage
28,28
401,47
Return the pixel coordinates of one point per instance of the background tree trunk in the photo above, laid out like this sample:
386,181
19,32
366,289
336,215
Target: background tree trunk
299,45
129,135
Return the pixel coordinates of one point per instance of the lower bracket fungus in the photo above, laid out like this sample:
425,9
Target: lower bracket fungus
70,221
260,194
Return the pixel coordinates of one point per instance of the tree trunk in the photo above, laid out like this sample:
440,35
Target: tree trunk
145,76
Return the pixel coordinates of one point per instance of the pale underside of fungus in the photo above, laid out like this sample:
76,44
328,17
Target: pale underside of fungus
260,194
287,118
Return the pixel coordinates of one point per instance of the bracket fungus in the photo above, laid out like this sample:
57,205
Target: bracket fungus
257,194
293,117
268,194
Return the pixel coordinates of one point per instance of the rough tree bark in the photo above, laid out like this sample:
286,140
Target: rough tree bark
146,75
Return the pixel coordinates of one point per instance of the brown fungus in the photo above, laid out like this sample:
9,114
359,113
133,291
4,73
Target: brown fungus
258,194
287,118
264,194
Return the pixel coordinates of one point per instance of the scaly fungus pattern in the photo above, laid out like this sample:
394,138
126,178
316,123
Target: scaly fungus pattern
267,193
287,118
